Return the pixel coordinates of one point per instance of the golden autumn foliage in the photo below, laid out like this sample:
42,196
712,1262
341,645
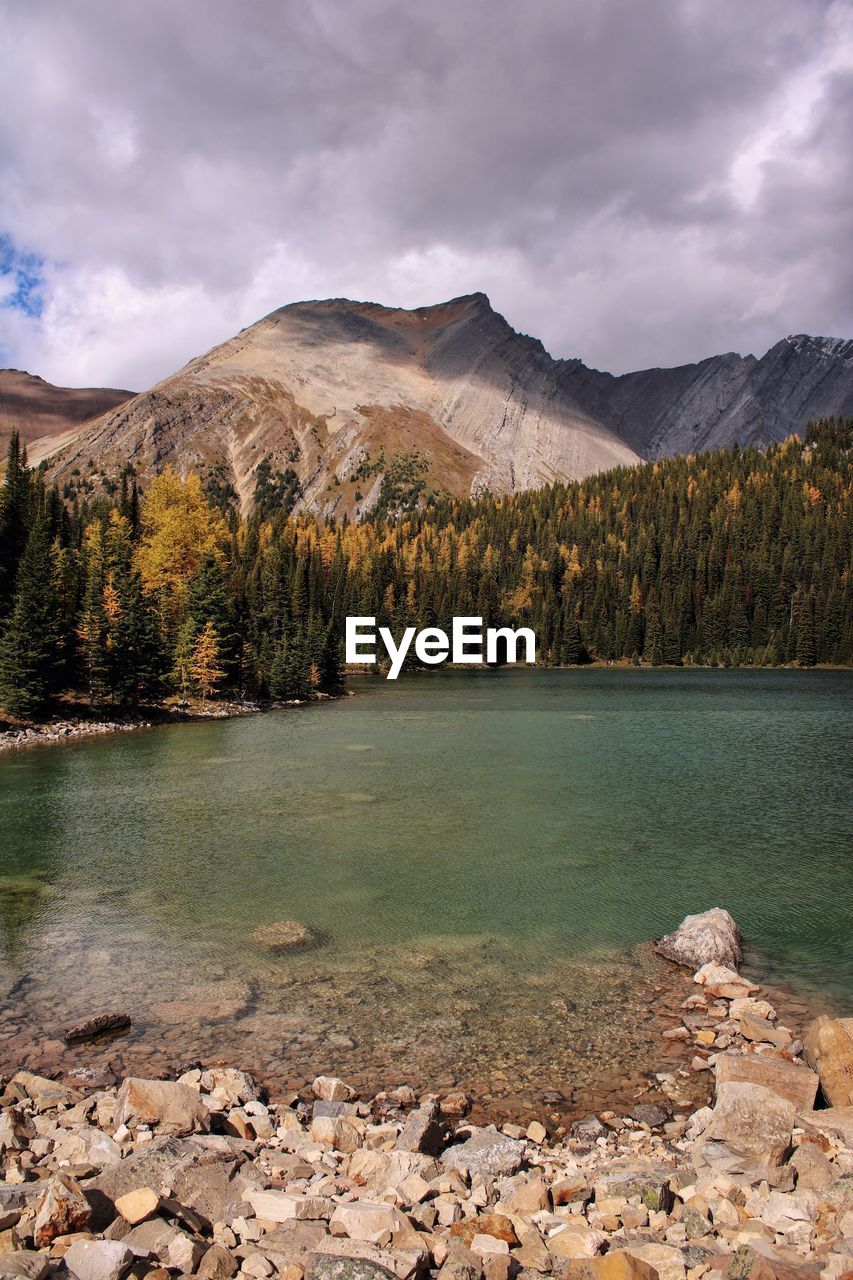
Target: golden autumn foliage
206,671
179,529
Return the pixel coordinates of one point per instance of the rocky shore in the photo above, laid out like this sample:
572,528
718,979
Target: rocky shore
206,1175
64,728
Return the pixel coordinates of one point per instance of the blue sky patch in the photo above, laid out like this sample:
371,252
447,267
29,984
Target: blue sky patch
27,278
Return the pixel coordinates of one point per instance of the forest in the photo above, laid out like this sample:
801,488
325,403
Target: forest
738,557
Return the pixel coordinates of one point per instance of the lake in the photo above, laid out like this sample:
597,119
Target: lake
483,855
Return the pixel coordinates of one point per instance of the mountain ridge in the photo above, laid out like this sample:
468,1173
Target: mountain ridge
335,393
37,409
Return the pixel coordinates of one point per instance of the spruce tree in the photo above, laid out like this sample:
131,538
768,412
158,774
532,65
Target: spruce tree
15,510
29,655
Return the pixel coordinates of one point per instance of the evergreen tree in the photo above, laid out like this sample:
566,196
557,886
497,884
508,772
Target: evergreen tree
15,511
29,655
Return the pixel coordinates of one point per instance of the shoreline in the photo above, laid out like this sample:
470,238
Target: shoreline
66,728
70,728
206,1173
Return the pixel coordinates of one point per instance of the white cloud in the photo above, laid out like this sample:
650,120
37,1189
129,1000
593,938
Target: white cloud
634,185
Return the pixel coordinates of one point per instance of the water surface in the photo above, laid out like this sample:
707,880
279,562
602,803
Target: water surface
482,855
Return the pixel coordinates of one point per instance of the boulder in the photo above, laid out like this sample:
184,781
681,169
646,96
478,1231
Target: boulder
712,936
404,1263
24,1265
229,1086
325,1267
152,1238
64,1209
833,1122
667,1262
486,1224
460,1264
763,1031
486,1152
791,1080
650,1114
423,1130
46,1094
98,1259
648,1181
829,1050
284,935
618,1264
331,1089
205,1002
171,1107
367,1220
576,1240
184,1254
138,1205
279,1206
529,1194
762,1263
724,982
217,1264
571,1189
751,1120
205,1174
87,1146
814,1171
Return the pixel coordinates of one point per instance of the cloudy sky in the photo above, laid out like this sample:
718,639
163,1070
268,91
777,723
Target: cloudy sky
637,184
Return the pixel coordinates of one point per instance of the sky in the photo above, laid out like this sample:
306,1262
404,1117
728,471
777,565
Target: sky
635,184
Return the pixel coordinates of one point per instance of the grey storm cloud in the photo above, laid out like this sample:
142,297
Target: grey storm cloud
635,184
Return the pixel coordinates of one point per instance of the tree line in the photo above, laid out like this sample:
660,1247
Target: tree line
740,556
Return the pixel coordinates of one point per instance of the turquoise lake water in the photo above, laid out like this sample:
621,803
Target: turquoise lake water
472,849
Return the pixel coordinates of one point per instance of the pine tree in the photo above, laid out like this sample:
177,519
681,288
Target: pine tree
183,657
806,651
15,509
29,654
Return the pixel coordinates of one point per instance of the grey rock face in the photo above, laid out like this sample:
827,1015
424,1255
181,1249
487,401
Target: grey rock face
487,1152
724,400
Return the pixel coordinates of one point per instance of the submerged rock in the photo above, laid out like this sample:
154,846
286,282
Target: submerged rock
711,937
93,1027
285,935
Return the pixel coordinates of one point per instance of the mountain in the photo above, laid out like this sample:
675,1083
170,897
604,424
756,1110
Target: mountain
35,408
729,399
348,405
340,393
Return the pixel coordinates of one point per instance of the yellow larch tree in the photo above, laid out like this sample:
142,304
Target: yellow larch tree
179,529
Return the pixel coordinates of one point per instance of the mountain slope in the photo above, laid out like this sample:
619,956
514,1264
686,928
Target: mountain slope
353,404
728,399
335,390
35,408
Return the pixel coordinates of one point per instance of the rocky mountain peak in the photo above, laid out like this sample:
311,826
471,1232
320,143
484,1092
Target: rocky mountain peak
349,400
